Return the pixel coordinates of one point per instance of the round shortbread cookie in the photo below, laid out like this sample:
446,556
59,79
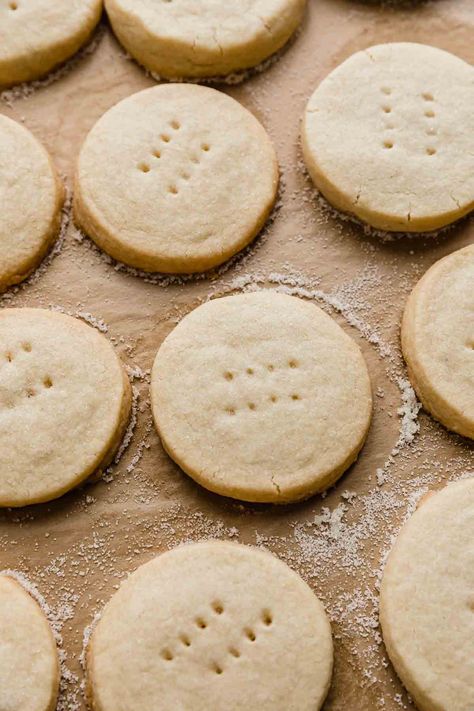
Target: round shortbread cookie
31,196
64,404
261,397
438,340
387,137
213,625
427,601
203,38
29,665
37,35
192,184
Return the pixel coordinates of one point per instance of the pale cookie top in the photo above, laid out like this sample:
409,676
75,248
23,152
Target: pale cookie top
29,667
62,400
387,136
427,601
36,35
212,625
184,38
31,202
176,178
438,340
261,396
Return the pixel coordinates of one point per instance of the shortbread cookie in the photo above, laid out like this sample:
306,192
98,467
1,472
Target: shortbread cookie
64,404
203,38
427,601
191,185
438,340
31,197
37,35
261,397
29,666
213,625
387,137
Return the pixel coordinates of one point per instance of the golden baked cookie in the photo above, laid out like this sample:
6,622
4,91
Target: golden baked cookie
387,137
203,38
177,178
64,404
438,340
427,601
37,35
32,197
211,626
261,397
29,665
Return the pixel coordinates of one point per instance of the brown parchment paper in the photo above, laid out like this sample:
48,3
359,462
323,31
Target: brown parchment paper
76,550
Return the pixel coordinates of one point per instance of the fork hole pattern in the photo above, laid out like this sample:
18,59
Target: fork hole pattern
387,109
217,667
429,114
157,153
25,346
32,390
218,608
229,376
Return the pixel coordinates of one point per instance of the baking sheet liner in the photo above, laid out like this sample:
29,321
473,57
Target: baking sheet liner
76,550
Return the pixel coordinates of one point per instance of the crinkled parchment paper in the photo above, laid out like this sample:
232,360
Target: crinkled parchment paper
76,550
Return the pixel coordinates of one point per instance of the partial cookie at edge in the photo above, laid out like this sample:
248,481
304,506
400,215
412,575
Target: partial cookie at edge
386,137
233,627
65,402
175,42
29,668
438,340
43,35
427,603
32,197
